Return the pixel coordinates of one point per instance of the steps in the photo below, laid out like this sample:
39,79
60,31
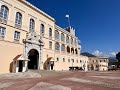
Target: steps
19,75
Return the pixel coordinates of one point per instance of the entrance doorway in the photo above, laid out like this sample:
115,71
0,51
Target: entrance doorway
33,56
20,66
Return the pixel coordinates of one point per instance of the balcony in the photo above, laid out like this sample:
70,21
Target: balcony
18,26
2,37
2,20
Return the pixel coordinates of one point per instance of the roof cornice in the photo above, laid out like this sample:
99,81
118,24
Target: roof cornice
36,9
63,30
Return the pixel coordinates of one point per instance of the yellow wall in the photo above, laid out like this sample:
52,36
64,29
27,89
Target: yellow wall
10,49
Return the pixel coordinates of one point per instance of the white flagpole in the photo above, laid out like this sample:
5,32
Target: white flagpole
67,16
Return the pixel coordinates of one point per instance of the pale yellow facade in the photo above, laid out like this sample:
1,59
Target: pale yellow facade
98,63
14,40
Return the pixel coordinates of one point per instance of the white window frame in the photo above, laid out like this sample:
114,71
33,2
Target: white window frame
50,44
18,19
16,36
32,25
2,32
4,13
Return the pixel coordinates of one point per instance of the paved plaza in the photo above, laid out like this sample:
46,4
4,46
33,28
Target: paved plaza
62,80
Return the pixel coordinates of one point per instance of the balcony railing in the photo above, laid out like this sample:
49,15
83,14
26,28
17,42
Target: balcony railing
2,20
2,37
18,26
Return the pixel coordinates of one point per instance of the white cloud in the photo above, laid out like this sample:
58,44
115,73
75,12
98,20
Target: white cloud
112,54
97,53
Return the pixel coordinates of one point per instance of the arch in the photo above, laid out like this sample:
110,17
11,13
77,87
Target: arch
72,50
4,12
42,29
62,37
33,56
56,35
50,32
57,46
75,42
80,61
32,25
71,41
67,39
62,47
68,49
76,51
18,19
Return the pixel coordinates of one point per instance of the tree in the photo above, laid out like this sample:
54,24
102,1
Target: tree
118,56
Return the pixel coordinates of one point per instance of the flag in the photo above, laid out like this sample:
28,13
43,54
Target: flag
67,16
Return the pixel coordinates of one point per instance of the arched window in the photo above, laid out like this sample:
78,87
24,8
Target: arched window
67,39
62,37
76,51
56,35
57,46
42,29
80,61
32,25
71,41
75,42
18,19
72,50
50,32
4,12
68,49
62,47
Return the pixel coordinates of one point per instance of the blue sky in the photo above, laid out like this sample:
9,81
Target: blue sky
97,22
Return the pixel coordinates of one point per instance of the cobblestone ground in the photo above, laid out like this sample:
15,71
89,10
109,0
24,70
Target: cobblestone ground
51,80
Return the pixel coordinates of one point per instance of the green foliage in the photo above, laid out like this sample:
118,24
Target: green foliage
118,56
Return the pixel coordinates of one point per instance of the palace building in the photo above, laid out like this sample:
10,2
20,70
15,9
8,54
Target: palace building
97,63
30,39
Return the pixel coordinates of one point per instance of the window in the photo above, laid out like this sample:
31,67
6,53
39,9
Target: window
68,60
42,29
18,20
63,59
68,49
32,25
56,35
50,45
62,37
76,51
75,42
71,41
77,61
97,60
16,36
72,50
4,12
57,46
57,59
50,33
73,60
62,47
80,61
2,32
67,39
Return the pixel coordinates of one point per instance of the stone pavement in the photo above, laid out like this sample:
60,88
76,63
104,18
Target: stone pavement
51,80
48,86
